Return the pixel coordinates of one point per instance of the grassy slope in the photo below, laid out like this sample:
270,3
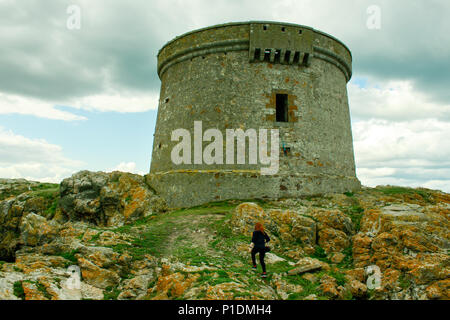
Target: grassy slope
202,236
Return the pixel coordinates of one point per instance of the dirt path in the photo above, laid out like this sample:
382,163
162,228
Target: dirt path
191,232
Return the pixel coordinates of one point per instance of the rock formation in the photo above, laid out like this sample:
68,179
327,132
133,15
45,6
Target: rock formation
118,233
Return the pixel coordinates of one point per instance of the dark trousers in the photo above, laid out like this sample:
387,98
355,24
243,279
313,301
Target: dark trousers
262,253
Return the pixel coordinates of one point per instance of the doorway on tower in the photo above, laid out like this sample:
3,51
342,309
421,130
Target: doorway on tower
282,107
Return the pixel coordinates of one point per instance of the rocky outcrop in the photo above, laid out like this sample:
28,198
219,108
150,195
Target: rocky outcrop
39,200
112,229
31,212
107,199
291,225
410,241
334,229
405,235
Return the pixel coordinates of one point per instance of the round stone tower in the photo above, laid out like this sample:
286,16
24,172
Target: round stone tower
282,77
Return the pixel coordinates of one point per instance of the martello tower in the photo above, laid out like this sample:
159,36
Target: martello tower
256,75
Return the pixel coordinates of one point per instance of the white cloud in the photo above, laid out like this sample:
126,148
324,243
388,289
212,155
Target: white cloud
107,102
393,100
118,102
415,153
126,167
33,159
10,104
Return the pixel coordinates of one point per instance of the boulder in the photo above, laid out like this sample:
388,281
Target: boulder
290,225
107,199
305,265
96,276
36,230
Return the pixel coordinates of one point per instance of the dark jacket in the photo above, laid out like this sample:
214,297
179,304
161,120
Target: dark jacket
259,239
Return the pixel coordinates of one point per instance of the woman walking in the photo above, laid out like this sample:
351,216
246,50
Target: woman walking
259,240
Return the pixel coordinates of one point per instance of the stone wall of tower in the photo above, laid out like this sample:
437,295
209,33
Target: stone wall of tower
228,76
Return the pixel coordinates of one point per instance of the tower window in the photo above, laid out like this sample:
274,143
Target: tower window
282,108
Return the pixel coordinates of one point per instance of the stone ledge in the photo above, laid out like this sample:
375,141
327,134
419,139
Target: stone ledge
188,188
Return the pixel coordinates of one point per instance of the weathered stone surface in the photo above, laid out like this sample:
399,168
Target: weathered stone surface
334,229
357,289
217,59
7,280
271,258
18,199
334,219
328,286
173,284
305,265
337,257
10,216
96,276
406,241
134,288
35,229
291,225
107,199
283,288
439,290
31,262
332,240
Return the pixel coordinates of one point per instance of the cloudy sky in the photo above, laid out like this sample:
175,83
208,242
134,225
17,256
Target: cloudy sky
86,98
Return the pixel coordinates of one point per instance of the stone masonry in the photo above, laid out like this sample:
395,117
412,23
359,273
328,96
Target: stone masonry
258,75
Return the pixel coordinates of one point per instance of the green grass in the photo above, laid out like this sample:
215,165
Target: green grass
196,256
111,293
11,193
43,290
95,237
404,282
221,207
349,194
152,233
48,194
355,212
340,277
392,190
45,186
51,210
308,287
347,262
70,255
18,290
320,254
210,279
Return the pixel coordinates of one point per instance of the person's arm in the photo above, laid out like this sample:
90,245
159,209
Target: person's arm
266,237
252,244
